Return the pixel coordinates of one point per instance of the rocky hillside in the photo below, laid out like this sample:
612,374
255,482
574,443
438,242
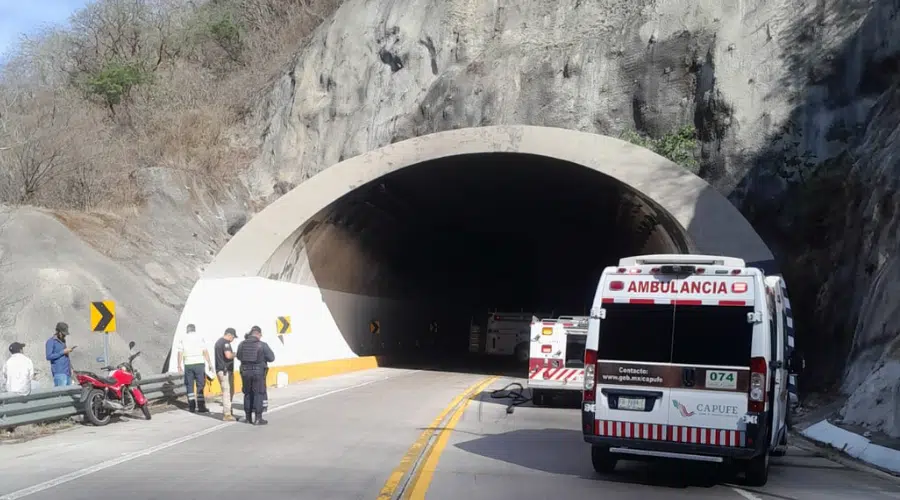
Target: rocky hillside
794,105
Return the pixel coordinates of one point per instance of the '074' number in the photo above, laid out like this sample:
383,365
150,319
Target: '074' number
716,379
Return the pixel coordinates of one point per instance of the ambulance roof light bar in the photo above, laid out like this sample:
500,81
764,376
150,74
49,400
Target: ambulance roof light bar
684,259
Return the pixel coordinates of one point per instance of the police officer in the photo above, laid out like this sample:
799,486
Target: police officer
254,355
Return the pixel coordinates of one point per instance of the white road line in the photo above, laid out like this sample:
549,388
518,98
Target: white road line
31,490
744,493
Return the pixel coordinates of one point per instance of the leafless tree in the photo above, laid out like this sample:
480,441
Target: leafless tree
9,296
41,136
58,148
141,32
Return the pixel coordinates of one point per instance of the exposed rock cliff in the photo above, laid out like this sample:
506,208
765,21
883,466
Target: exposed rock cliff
377,73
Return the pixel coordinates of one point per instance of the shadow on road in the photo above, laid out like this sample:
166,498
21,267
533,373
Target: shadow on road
564,452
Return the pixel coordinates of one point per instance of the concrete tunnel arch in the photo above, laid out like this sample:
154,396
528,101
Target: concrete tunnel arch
254,278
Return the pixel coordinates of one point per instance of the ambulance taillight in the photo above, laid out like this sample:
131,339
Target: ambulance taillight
757,393
590,375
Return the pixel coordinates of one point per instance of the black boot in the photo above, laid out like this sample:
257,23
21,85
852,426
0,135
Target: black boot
201,407
259,420
249,416
192,406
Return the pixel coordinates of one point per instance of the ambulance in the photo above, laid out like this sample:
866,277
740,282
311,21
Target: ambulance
556,356
507,335
688,357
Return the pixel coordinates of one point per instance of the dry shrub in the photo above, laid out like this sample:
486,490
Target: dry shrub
73,134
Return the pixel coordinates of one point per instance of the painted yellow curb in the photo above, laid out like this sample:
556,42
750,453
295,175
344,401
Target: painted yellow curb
306,371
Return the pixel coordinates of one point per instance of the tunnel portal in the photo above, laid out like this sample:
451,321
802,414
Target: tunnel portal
499,231
442,229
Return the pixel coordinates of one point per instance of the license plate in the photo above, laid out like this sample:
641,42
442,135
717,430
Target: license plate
634,404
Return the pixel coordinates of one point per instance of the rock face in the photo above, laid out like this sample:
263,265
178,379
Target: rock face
869,264
379,73
795,104
52,265
791,100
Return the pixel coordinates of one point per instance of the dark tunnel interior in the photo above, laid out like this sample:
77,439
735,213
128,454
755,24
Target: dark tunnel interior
471,234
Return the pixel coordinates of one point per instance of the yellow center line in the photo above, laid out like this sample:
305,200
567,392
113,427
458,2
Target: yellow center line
420,482
409,459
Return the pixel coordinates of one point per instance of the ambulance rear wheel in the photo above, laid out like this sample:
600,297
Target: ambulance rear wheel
603,461
756,470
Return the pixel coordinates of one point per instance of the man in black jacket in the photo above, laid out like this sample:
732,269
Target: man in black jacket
254,355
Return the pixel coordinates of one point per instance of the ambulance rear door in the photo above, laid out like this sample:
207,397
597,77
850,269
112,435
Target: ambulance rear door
633,339
712,346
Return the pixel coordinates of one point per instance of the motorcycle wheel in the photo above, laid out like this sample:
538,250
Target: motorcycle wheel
93,408
146,412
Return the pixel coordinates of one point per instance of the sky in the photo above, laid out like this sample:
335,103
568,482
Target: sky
18,17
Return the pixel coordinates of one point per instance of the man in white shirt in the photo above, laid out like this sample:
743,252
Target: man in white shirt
18,370
192,361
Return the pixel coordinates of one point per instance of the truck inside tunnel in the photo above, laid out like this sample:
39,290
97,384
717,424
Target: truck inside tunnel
456,238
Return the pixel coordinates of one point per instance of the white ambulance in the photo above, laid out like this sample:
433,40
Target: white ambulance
507,335
556,357
688,357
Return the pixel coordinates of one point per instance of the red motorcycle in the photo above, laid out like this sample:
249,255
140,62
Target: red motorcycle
104,397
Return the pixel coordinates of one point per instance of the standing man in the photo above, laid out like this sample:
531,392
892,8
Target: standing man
58,356
255,355
18,373
18,370
225,371
192,360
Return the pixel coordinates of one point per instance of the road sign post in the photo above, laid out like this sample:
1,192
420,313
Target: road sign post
103,319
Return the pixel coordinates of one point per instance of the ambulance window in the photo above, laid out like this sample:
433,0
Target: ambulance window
575,350
636,332
712,335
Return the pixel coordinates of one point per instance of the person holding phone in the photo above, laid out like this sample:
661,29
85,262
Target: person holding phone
58,356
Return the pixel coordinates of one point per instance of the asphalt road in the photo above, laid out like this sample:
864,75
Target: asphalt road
376,434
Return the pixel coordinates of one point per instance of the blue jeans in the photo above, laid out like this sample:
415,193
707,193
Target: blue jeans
61,379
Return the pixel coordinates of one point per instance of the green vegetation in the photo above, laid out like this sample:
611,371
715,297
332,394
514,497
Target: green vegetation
679,146
227,35
113,83
137,84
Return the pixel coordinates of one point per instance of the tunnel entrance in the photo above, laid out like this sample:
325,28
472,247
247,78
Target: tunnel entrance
397,251
471,234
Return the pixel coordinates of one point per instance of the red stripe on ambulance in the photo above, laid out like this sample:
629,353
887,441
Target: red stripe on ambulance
671,433
557,374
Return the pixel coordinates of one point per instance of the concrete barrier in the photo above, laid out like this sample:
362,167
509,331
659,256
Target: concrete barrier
330,331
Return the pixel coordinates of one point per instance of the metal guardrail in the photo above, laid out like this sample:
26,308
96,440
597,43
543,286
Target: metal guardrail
63,402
